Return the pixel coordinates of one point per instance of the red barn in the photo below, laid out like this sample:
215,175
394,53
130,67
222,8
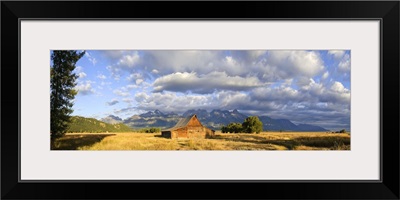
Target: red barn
189,127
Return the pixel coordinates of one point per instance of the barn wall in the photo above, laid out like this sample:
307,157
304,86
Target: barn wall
196,132
181,133
194,122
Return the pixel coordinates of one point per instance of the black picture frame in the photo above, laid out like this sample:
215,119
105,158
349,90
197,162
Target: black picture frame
386,11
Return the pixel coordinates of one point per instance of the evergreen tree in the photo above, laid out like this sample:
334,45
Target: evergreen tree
252,125
62,83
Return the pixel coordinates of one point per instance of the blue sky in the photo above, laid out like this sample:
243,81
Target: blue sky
303,86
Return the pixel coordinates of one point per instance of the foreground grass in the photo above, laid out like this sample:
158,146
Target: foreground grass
262,141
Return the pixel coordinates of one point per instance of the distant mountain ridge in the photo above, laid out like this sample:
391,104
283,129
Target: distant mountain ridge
112,119
214,119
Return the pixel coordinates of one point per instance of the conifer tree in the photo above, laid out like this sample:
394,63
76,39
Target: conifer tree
62,92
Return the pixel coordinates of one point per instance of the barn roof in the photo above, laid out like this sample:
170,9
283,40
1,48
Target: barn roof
182,123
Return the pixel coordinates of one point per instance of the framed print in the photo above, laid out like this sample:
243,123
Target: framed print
299,96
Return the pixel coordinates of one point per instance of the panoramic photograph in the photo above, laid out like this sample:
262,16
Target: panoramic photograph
186,100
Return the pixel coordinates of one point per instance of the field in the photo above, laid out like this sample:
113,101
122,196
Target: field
221,141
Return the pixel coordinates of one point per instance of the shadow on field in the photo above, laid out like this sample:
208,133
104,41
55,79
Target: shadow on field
331,142
242,138
73,142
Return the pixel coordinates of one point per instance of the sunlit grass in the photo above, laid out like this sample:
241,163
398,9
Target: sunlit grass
221,141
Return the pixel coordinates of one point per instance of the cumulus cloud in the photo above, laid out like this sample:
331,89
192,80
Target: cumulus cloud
173,102
325,75
128,100
183,82
121,92
344,64
112,102
312,102
337,54
129,61
125,62
81,75
266,65
85,88
134,77
79,72
182,61
287,64
277,94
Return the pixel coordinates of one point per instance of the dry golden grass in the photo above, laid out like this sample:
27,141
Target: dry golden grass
221,141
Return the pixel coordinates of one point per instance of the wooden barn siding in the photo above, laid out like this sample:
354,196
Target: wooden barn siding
193,122
196,132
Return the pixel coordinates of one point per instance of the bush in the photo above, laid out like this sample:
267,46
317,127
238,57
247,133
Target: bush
252,125
232,128
341,131
150,130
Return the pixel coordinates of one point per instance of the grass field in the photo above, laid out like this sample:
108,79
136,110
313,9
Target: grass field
221,141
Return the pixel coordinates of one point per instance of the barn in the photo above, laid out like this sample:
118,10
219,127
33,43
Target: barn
189,127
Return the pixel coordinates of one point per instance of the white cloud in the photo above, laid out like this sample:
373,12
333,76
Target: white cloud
121,93
289,64
139,81
182,61
276,94
344,64
134,77
266,65
170,101
130,87
183,82
124,61
337,54
78,69
101,76
325,75
128,100
129,61
85,88
90,58
232,100
115,71
81,75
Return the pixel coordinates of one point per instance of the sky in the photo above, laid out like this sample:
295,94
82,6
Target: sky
303,86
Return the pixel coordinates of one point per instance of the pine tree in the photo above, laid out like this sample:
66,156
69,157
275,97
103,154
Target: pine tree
62,83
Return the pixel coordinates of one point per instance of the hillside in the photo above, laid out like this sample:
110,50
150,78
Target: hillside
90,125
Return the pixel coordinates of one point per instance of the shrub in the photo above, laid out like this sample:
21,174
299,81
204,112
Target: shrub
252,125
232,128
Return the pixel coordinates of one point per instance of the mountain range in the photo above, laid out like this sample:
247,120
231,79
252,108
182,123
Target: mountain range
214,120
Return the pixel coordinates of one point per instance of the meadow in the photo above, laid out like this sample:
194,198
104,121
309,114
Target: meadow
221,141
